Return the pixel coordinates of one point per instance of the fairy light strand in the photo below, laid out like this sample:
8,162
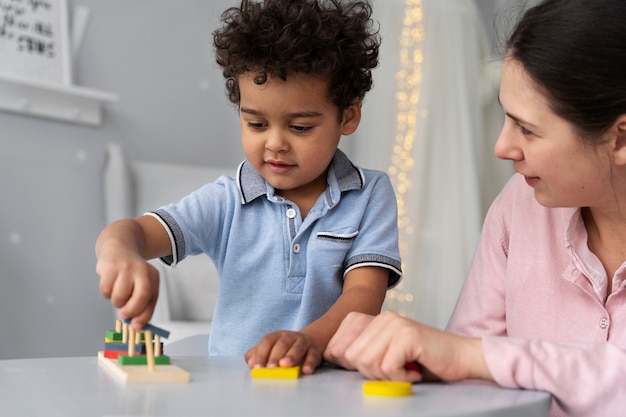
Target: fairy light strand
407,97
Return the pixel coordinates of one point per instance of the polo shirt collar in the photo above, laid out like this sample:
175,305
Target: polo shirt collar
342,176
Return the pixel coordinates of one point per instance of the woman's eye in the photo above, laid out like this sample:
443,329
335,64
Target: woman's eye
523,129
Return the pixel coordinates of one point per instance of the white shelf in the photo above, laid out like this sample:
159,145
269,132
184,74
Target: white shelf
54,101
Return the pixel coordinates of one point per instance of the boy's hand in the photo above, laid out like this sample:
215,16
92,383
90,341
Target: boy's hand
130,282
126,277
285,348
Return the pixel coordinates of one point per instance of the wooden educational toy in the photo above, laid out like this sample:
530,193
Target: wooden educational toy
387,388
138,356
292,372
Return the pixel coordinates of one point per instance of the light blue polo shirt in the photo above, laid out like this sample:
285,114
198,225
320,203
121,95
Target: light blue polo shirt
278,272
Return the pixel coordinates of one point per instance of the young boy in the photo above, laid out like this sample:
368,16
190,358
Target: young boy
301,237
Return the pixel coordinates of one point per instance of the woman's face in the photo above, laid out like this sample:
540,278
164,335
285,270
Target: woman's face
561,168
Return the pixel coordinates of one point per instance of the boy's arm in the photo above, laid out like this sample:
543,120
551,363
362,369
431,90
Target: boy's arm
122,250
363,291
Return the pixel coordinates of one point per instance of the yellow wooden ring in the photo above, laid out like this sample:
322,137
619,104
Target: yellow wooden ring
387,388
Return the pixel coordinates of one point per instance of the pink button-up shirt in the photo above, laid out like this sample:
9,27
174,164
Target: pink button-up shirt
534,280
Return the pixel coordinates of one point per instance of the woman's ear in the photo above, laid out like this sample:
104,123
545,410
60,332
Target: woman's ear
351,117
620,140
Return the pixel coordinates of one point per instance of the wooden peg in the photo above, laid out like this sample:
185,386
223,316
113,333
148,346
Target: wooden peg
157,345
131,341
149,351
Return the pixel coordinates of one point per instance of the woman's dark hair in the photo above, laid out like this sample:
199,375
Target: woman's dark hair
575,50
331,38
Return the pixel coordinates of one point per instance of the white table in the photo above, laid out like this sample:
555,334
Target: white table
222,386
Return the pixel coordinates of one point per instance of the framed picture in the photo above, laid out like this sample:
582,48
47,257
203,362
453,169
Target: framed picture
34,40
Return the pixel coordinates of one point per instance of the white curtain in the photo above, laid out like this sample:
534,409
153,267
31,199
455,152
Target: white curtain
431,121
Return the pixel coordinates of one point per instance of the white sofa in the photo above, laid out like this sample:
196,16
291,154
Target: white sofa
188,290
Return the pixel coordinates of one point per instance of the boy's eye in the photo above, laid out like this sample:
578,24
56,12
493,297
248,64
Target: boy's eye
254,125
301,128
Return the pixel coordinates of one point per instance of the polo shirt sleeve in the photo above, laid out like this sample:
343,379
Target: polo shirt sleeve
377,241
196,223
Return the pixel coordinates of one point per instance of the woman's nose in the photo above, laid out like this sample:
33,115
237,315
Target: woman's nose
506,146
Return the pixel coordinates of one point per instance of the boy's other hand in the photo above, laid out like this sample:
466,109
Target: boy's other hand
285,348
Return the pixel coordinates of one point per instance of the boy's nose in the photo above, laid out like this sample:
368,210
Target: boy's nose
276,141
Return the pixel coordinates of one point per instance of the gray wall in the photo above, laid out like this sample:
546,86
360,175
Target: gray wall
51,211
157,56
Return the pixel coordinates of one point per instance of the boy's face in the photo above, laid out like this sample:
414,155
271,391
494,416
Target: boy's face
290,131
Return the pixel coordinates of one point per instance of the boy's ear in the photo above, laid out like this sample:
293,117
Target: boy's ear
620,141
351,118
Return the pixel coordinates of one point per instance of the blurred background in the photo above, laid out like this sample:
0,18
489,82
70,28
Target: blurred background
162,124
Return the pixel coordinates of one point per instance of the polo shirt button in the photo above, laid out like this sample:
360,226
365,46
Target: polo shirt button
604,322
291,213
296,248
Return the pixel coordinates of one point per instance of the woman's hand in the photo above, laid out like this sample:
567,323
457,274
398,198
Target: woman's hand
379,347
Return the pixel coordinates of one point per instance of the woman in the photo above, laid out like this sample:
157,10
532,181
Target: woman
544,303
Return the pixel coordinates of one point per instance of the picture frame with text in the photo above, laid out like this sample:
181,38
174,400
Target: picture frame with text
35,41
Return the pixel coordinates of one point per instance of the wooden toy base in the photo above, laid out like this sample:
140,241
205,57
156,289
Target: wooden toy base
139,373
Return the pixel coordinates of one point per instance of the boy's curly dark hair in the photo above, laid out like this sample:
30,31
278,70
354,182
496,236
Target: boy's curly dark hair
333,38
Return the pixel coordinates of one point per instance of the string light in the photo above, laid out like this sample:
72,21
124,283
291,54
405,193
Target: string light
408,82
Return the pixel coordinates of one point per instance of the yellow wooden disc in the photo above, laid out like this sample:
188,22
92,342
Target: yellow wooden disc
387,388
